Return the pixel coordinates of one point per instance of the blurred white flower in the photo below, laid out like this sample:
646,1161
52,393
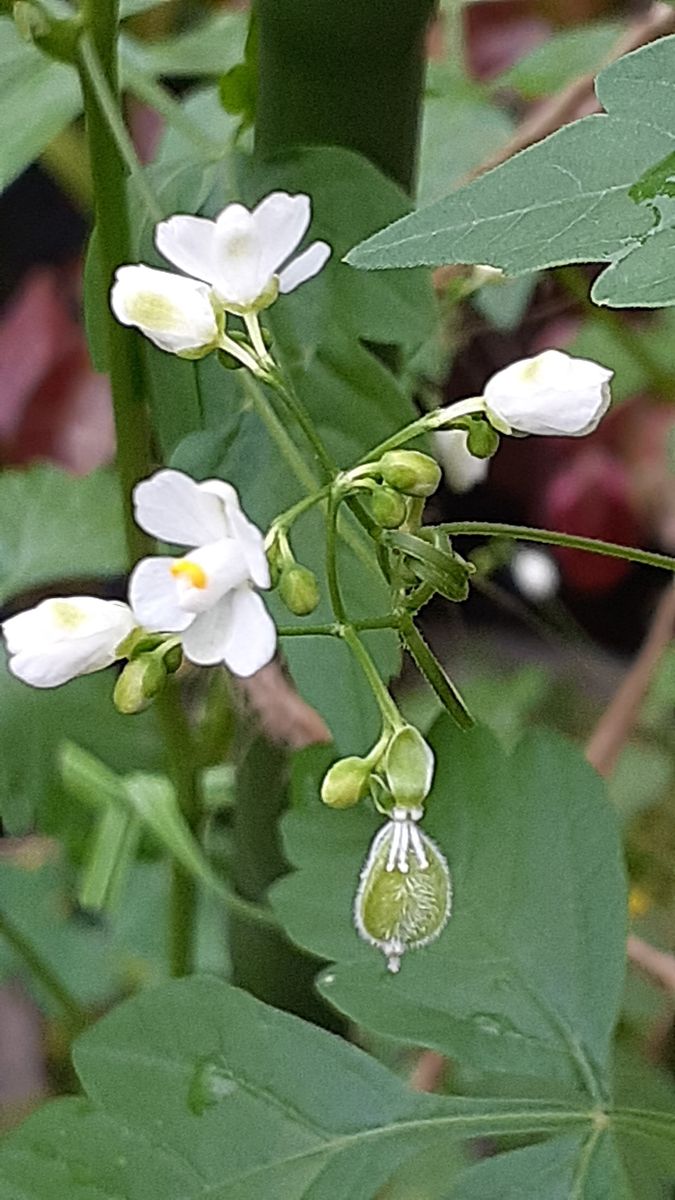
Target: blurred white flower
551,393
535,574
207,595
461,468
177,314
64,637
483,274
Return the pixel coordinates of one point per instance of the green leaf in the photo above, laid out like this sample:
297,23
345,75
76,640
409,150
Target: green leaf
38,98
210,48
58,526
561,59
566,199
130,8
527,976
197,1090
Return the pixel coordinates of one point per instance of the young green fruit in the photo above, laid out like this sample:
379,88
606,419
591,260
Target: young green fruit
299,589
345,783
410,472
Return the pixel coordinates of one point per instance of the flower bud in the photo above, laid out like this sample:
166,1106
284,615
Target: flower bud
141,680
481,439
409,767
410,472
552,393
346,782
404,896
388,508
299,589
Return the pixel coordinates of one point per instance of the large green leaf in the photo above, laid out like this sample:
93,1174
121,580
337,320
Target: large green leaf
210,48
566,199
38,98
528,974
197,1090
58,526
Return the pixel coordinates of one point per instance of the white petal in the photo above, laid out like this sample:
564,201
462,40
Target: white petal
238,277
206,640
552,393
303,267
461,468
252,636
247,534
58,664
64,637
224,568
281,221
153,596
535,574
175,313
171,506
188,243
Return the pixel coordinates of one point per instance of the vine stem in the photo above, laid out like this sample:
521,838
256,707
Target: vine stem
525,533
385,703
332,572
296,408
438,418
41,970
112,155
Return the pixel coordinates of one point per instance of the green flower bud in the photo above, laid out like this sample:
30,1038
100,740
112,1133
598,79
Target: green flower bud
410,471
404,896
346,782
481,439
409,767
299,589
388,508
141,680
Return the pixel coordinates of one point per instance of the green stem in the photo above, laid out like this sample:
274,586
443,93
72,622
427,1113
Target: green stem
435,675
297,410
550,537
181,758
113,248
332,571
385,703
75,1014
105,98
391,621
303,473
438,418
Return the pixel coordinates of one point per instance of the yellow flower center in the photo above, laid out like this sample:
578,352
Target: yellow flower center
191,571
66,615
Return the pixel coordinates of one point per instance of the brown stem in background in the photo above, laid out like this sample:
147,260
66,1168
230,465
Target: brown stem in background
428,1072
657,965
578,98
618,721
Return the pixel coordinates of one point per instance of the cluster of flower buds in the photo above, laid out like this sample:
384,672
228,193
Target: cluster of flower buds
404,894
203,604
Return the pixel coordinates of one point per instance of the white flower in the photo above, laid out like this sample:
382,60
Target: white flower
535,574
177,314
241,254
207,595
461,468
65,637
551,393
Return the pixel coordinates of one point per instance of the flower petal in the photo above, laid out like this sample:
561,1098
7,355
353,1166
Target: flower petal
552,393
247,534
238,277
171,506
174,313
303,267
188,243
281,221
252,635
153,596
57,664
206,640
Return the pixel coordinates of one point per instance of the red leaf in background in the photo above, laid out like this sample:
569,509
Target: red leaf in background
498,33
52,404
589,496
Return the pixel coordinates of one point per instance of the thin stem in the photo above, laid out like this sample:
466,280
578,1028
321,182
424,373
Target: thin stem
550,537
42,971
286,519
434,674
113,245
278,432
158,97
438,418
182,758
105,98
296,408
332,571
385,702
390,621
